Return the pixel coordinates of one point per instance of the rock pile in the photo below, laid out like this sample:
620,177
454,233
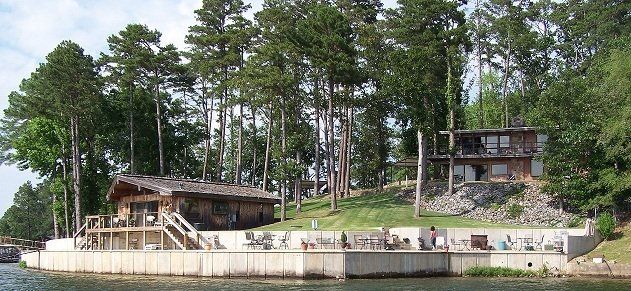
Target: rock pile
511,203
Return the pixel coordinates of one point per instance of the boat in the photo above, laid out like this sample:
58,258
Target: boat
9,254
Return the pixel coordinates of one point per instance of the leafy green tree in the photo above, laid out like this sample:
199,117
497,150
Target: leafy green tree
325,37
29,216
421,34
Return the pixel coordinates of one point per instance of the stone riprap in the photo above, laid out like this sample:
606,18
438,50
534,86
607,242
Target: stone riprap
510,203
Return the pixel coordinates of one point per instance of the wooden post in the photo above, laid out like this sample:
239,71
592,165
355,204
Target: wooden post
162,239
144,239
98,242
185,241
111,240
126,239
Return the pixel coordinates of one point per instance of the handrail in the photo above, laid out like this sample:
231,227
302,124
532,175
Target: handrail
200,238
85,225
172,222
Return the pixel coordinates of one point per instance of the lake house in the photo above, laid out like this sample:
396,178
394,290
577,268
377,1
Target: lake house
168,213
496,154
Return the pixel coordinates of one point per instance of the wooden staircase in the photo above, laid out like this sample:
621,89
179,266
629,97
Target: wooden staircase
183,234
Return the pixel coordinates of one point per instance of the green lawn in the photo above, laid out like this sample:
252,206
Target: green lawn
618,249
369,212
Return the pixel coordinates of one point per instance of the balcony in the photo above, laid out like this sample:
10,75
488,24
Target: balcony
491,150
147,221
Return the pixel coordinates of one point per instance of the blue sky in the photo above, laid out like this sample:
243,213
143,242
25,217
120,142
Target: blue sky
30,29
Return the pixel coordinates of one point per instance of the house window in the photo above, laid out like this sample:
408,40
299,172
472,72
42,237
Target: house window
536,168
499,169
491,144
191,209
220,207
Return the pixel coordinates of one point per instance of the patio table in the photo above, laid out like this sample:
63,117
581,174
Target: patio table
525,240
465,243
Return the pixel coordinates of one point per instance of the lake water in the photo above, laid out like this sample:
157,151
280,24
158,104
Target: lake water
14,278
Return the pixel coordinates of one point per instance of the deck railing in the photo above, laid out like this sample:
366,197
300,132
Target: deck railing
125,220
495,149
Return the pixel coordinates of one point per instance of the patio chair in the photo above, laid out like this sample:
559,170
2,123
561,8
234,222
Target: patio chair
359,241
375,242
283,241
539,243
150,220
421,244
455,243
249,237
510,242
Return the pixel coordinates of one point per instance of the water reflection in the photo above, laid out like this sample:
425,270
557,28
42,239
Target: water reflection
14,278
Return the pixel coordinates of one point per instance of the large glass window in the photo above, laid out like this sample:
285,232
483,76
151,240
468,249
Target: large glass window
491,144
504,143
499,169
220,207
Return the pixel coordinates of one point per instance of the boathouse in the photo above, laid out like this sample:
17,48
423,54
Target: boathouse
168,212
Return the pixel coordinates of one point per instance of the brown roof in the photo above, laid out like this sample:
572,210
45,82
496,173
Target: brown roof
189,187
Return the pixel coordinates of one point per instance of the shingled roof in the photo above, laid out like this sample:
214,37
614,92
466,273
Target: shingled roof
189,187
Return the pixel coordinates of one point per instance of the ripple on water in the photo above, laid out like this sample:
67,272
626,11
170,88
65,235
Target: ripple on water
14,278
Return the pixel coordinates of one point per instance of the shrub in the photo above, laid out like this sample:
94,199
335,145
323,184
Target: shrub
502,272
495,206
515,210
606,225
575,221
22,264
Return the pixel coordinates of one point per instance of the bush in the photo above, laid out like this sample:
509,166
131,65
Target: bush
515,210
606,225
22,264
503,272
575,221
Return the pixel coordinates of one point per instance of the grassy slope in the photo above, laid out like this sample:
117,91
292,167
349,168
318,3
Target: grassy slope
369,212
618,249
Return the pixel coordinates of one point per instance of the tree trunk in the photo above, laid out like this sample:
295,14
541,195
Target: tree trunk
452,145
65,177
332,147
479,55
132,166
268,146
222,140
159,125
452,127
283,142
76,169
505,84
209,131
254,144
237,176
55,222
349,152
316,119
297,186
341,164
421,176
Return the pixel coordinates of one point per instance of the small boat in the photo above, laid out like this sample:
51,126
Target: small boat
9,254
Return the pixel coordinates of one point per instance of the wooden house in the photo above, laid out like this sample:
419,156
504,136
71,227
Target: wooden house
495,154
150,208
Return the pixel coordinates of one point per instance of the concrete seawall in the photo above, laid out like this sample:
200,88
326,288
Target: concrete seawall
287,263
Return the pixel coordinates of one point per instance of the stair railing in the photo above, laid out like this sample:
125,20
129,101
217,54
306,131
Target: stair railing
179,228
200,239
78,233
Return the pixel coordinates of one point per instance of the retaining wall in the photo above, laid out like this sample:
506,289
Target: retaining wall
287,263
